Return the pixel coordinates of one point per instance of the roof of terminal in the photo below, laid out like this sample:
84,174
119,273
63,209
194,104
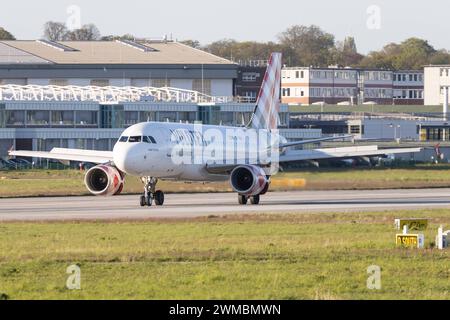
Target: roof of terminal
107,52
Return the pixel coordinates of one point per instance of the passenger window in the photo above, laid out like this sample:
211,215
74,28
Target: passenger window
123,139
135,139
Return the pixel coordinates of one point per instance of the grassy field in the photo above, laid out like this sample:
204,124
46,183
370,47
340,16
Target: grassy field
70,182
307,256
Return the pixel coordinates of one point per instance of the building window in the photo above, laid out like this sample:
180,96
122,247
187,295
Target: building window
141,82
62,118
15,118
250,96
99,82
249,76
86,118
160,83
59,82
168,116
38,117
355,129
203,86
286,92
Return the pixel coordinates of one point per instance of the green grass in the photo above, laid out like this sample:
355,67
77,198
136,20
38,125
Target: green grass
70,182
304,256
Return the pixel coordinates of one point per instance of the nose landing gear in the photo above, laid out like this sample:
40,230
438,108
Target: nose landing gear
242,199
150,193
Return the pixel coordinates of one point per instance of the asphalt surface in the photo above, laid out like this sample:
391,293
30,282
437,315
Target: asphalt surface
198,205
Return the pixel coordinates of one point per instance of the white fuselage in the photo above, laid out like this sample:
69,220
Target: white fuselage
183,151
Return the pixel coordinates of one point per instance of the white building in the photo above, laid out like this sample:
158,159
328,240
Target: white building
437,77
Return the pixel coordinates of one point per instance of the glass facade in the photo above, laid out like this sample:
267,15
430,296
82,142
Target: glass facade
63,118
2,116
38,117
112,116
15,118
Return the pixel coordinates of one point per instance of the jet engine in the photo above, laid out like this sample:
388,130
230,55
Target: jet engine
249,180
104,180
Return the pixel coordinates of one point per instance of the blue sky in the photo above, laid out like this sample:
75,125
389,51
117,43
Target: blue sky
208,20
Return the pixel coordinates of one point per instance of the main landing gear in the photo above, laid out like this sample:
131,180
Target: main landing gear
150,193
244,199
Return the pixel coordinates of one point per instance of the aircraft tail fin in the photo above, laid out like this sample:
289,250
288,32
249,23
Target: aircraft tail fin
265,115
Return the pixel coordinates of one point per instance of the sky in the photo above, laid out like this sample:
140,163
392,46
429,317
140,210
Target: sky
373,23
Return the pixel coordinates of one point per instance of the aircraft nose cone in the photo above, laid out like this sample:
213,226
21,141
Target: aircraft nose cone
124,159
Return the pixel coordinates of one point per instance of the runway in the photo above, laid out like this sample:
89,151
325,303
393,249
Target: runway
198,205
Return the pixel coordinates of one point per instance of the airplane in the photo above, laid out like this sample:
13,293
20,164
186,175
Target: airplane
247,157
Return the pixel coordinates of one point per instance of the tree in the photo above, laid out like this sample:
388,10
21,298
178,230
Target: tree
413,53
307,46
55,31
346,53
440,57
123,37
242,51
222,48
88,32
6,35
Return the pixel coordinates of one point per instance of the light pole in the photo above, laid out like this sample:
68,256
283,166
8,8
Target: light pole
395,131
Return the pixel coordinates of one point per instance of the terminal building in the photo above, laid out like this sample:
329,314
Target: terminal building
87,120
347,86
116,63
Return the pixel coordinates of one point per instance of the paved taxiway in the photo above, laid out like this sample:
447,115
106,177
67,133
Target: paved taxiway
197,205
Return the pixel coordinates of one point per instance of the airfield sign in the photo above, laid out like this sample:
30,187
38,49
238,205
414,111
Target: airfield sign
410,240
412,224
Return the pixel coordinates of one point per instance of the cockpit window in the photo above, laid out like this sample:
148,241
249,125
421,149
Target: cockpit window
135,139
123,139
148,139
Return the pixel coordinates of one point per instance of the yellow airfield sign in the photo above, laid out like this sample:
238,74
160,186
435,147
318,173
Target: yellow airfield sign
413,224
410,240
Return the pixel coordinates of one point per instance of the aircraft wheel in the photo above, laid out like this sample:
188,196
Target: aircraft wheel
149,199
143,201
255,199
242,199
159,198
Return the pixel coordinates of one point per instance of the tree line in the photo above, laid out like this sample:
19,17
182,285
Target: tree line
301,46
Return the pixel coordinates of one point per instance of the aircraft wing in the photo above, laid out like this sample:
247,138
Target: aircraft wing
301,142
321,154
344,152
68,155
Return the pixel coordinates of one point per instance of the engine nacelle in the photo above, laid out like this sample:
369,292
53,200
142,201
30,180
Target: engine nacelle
249,180
104,180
